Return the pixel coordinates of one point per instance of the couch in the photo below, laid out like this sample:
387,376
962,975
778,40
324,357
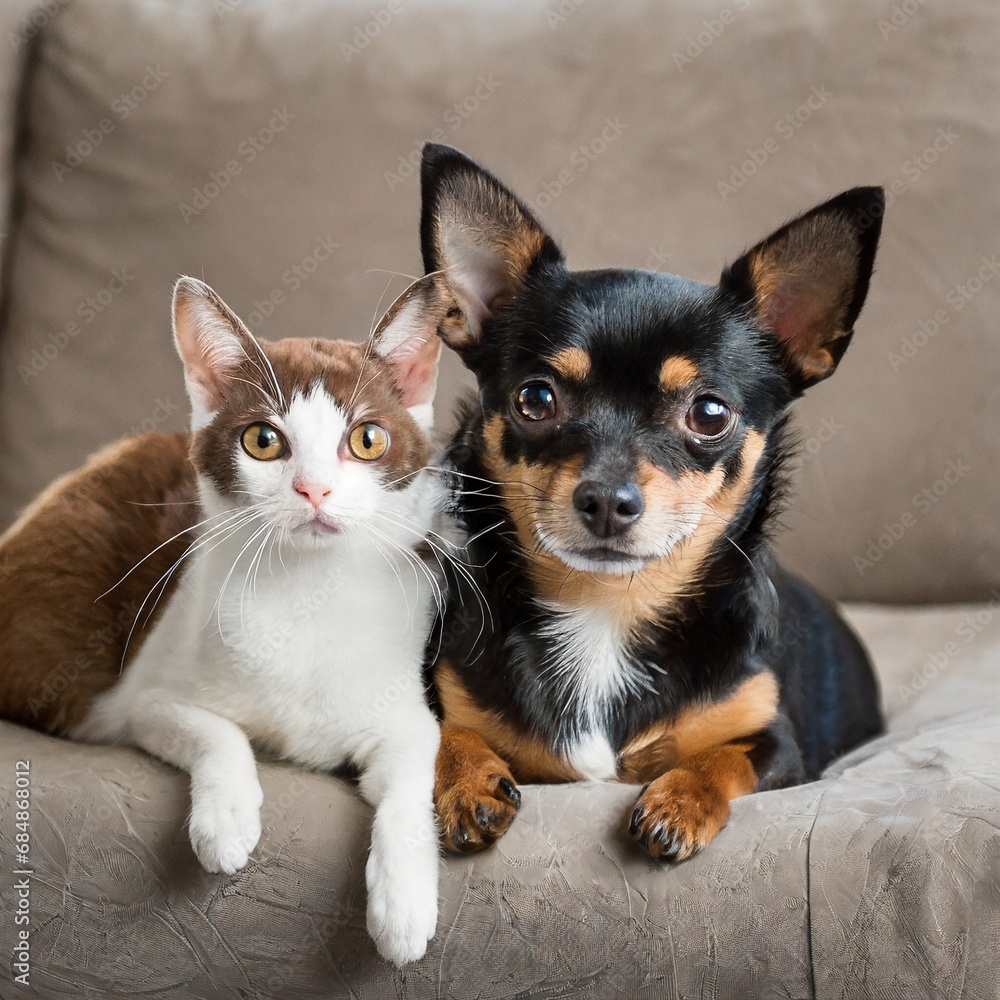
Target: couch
271,147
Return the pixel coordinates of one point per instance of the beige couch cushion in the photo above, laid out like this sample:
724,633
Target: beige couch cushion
239,141
20,22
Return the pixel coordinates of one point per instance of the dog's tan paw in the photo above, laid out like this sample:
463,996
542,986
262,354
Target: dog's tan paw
678,814
474,793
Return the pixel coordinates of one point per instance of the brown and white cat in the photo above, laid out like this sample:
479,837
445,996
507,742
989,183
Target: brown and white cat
292,605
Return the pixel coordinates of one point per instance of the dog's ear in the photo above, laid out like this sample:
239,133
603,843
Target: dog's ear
479,236
807,282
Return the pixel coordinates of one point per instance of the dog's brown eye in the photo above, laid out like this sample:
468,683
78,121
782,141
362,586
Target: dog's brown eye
709,417
536,401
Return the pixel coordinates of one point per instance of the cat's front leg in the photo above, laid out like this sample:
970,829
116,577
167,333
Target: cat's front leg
402,869
226,796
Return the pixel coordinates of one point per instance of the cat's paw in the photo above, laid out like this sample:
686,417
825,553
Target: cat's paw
402,903
225,826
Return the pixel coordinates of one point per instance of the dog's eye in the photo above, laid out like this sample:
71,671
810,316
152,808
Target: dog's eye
709,417
536,401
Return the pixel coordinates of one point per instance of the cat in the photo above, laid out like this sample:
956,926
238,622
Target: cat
291,611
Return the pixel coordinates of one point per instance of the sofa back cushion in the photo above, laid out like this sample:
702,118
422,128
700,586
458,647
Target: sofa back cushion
272,150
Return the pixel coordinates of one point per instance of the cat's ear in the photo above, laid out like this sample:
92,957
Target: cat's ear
212,342
807,282
407,338
479,236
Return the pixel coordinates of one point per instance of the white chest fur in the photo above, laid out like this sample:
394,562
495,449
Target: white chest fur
593,670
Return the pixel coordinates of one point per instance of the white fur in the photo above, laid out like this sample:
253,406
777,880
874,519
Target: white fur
594,670
310,645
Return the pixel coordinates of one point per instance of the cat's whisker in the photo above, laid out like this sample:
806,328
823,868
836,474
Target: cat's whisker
224,530
370,532
395,274
277,396
263,390
232,569
418,566
460,566
251,575
408,553
172,538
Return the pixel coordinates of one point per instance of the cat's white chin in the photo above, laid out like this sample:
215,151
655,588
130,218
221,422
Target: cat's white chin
318,528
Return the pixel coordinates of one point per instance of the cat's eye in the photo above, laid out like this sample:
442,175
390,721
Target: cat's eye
709,417
536,401
264,442
369,442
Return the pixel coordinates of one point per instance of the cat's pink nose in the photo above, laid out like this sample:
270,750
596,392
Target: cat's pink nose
315,493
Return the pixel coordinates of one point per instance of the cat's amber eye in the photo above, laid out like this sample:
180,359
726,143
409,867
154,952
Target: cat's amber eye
264,442
369,442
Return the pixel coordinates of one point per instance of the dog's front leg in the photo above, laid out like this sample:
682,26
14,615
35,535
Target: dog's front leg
682,810
474,791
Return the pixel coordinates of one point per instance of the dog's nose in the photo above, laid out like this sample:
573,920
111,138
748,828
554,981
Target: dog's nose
607,509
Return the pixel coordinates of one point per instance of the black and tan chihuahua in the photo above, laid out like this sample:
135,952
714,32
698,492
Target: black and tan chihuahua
619,474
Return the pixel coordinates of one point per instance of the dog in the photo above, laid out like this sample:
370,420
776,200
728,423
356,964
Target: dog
620,616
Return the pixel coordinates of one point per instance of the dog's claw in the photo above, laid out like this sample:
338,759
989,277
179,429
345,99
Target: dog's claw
511,791
637,814
474,818
677,815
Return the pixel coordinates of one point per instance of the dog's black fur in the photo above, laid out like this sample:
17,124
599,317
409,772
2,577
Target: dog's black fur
779,320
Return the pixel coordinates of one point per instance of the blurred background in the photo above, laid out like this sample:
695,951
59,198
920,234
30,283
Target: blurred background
271,147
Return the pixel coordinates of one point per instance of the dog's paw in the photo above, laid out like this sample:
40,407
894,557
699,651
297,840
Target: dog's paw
402,904
225,826
678,814
478,809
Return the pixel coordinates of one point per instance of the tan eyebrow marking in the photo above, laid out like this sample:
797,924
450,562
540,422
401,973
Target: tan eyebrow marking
677,372
572,363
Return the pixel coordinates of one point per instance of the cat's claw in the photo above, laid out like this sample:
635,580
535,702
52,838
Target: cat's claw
225,828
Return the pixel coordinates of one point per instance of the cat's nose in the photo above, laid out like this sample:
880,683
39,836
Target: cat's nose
315,493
